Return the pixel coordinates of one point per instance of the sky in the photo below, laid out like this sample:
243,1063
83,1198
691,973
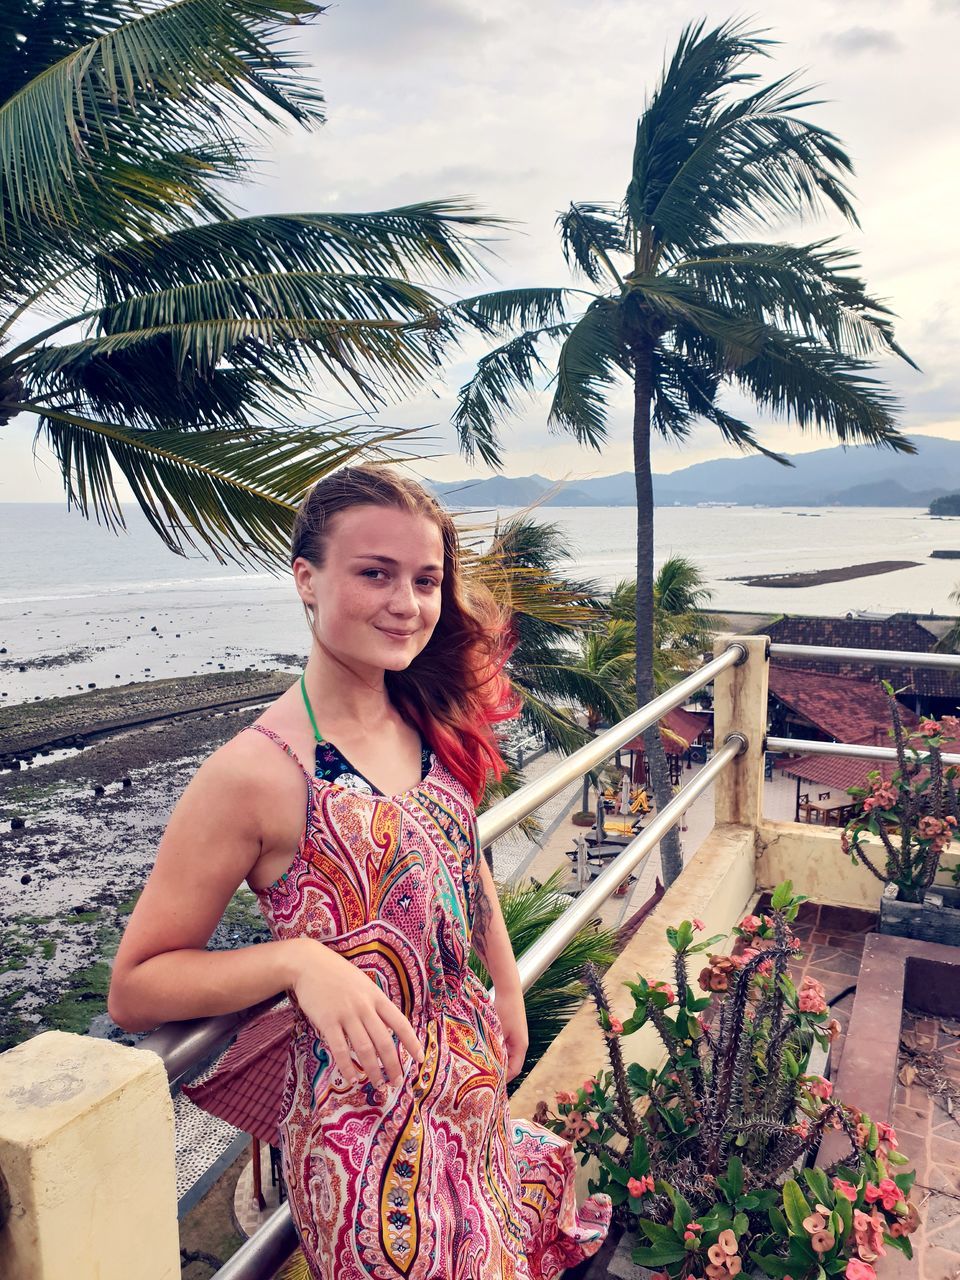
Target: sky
525,105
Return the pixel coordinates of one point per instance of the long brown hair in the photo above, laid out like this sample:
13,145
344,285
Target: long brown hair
455,689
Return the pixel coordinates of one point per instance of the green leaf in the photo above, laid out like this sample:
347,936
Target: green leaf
778,1221
781,895
658,1257
819,1186
741,1224
795,1205
777,1268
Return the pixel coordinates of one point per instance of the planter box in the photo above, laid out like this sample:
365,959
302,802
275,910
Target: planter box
936,919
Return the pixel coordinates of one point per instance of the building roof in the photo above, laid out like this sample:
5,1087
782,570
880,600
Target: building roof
901,631
682,727
843,708
246,1087
839,773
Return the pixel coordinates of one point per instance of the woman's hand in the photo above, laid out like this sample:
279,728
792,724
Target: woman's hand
355,1018
513,1019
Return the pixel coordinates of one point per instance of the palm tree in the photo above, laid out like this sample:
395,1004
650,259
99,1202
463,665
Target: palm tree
949,642
524,565
153,332
679,307
682,631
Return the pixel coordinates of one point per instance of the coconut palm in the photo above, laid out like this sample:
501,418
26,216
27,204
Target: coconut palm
682,631
525,566
680,303
152,332
950,641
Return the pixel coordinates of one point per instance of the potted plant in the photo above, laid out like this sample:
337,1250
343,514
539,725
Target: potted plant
914,817
706,1158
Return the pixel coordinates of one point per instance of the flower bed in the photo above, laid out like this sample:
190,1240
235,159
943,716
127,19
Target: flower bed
706,1158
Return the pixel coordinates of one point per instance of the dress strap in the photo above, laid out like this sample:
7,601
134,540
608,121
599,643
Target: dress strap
275,737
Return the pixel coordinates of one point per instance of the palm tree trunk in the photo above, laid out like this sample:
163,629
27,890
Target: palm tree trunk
671,859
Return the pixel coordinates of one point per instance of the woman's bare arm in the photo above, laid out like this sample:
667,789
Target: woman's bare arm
162,970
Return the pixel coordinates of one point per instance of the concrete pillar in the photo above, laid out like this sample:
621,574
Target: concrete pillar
740,703
87,1155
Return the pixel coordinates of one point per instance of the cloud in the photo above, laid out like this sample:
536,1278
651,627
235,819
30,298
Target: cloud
857,40
398,31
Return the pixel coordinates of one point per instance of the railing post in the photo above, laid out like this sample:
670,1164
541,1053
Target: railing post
87,1156
740,704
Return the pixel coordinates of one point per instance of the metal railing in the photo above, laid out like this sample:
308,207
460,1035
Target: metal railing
882,657
851,750
182,1044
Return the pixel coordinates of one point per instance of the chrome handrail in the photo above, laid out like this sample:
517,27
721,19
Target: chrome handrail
270,1246
508,812
882,657
541,954
851,750
182,1045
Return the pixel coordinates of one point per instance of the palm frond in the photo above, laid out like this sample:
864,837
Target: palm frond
435,237
591,357
98,144
232,492
501,377
701,167
496,312
589,233
528,911
816,388
808,290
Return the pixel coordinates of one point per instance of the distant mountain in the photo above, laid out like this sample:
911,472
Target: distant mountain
856,477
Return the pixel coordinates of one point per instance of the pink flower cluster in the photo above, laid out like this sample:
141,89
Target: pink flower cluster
811,996
817,1087
884,796
640,1186
724,1257
665,989
817,1227
939,831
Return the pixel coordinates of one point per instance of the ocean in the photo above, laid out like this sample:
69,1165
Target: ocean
80,606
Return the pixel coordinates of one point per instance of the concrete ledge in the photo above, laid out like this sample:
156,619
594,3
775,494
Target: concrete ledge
810,856
87,1151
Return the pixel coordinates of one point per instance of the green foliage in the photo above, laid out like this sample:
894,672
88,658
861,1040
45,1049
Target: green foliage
528,911
948,505
194,332
704,1157
914,815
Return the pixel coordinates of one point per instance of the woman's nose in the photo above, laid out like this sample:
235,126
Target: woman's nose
403,599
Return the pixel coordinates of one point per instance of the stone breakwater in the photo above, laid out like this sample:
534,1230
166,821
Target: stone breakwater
32,729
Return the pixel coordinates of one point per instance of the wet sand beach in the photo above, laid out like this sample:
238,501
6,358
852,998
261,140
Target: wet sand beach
91,820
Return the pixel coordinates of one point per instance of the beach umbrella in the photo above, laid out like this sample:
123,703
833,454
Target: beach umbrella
625,794
581,862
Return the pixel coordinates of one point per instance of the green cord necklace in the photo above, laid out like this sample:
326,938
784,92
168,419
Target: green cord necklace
306,702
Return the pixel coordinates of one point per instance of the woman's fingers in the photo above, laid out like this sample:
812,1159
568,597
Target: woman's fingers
395,1020
340,1052
364,1051
379,1033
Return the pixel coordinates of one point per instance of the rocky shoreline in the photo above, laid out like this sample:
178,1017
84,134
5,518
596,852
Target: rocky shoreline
78,834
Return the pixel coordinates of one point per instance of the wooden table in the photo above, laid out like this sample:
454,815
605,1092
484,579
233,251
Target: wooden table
819,813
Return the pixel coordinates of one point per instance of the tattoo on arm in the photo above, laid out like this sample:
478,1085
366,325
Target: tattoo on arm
482,915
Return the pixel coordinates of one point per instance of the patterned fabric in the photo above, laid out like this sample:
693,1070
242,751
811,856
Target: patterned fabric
429,1179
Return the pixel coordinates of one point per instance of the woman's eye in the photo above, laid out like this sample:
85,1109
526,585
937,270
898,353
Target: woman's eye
373,573
429,582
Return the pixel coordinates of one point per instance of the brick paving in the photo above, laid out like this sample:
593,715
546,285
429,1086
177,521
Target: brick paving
930,1136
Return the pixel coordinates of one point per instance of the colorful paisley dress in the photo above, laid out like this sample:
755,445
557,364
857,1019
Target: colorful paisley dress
429,1179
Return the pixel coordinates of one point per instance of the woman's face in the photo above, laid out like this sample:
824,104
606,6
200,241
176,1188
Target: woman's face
377,596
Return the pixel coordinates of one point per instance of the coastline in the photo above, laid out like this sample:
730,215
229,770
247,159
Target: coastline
821,577
92,818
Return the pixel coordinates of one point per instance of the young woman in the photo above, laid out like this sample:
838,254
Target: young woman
399,1155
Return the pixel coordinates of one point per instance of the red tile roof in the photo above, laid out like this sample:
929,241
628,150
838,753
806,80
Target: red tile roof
844,709
682,727
901,631
839,773
246,1087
